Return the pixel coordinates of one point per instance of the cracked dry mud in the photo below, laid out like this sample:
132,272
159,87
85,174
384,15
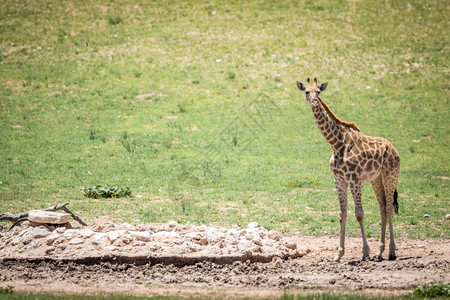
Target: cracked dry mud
154,259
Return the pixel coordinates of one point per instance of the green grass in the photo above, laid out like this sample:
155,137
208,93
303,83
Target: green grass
19,296
193,105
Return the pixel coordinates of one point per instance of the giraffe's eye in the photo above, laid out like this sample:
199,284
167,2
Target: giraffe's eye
307,93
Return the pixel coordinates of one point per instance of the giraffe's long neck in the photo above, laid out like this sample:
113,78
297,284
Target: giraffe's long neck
331,127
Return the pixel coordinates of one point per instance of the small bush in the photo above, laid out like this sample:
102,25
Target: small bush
106,192
115,20
6,289
442,290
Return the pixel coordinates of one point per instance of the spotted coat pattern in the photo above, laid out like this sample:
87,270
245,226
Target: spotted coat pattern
357,158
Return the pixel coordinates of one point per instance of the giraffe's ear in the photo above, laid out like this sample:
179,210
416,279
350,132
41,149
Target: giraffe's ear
323,86
301,86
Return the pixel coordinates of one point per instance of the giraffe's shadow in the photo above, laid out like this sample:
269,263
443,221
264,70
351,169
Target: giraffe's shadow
358,262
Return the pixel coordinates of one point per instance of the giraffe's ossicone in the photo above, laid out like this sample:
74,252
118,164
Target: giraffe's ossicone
357,158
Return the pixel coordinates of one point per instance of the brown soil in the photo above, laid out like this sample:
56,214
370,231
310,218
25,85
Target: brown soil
419,262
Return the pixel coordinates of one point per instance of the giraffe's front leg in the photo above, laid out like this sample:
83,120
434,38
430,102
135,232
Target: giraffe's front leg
341,188
355,187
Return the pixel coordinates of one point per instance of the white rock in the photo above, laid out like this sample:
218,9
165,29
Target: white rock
426,216
76,241
60,229
86,233
99,236
38,232
48,217
114,235
253,225
234,232
447,216
51,238
215,237
33,245
172,223
70,233
202,227
143,236
165,235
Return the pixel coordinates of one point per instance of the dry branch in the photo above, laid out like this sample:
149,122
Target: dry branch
15,217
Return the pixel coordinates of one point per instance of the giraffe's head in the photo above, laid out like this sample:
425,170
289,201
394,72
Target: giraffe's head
312,90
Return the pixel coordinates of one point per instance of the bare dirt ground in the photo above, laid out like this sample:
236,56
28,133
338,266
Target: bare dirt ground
217,265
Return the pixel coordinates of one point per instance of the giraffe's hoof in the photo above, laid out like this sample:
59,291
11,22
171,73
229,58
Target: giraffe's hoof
365,257
378,258
337,258
392,257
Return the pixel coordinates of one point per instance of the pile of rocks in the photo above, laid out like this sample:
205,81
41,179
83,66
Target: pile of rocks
168,240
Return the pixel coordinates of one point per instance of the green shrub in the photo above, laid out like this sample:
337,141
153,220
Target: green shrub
436,290
106,192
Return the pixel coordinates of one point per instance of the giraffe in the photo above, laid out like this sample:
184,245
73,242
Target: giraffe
357,158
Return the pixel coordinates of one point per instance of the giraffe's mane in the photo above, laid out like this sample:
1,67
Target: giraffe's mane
348,124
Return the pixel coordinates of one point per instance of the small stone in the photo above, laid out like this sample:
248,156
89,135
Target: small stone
99,236
86,233
253,225
291,246
48,217
447,216
70,233
38,232
197,237
26,238
172,223
426,216
76,241
49,251
126,238
33,245
60,229
51,238
113,235
143,236
274,236
257,241
165,235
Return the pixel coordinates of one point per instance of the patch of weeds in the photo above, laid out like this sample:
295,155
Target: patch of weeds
181,107
231,75
431,291
277,78
115,20
94,134
6,289
126,143
137,73
99,191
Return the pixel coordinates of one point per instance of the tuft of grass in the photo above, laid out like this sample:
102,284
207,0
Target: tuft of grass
432,291
115,20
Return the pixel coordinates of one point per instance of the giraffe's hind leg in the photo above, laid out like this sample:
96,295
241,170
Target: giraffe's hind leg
390,184
378,188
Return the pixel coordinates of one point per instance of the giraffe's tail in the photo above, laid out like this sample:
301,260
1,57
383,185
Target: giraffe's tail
396,202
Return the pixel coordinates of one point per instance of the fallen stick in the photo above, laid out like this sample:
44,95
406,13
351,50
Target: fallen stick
15,217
